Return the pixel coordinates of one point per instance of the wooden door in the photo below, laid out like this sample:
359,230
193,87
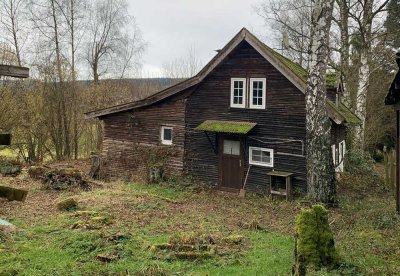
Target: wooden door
231,164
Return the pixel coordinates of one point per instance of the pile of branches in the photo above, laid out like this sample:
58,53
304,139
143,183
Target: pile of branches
9,167
60,179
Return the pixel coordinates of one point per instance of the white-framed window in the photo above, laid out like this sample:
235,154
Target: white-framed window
334,154
238,92
261,156
166,135
342,150
257,93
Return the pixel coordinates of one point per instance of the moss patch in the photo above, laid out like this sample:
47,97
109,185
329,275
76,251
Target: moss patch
226,126
315,243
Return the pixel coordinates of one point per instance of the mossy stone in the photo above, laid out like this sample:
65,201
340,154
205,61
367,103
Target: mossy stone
67,204
315,242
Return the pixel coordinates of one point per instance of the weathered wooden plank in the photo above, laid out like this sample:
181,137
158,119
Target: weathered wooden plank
14,71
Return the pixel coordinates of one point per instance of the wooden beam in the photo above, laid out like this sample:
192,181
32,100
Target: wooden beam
14,71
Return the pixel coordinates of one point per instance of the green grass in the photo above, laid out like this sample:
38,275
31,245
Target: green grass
366,230
55,249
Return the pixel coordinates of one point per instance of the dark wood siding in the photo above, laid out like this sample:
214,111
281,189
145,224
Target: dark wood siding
331,94
338,133
142,127
281,126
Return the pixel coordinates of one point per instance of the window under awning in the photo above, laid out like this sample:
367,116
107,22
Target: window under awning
226,126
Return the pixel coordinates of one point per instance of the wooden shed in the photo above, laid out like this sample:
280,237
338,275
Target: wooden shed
242,114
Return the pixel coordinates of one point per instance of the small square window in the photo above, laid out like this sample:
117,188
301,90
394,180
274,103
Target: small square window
261,156
166,135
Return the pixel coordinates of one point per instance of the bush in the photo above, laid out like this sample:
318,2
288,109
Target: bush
315,245
360,163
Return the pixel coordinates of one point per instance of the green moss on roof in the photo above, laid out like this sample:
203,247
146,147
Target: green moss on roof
293,66
226,126
346,113
299,71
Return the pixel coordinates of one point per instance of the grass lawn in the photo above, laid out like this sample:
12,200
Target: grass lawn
122,224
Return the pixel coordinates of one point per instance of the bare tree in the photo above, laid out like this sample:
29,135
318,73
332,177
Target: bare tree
48,20
320,172
11,19
109,32
291,20
183,67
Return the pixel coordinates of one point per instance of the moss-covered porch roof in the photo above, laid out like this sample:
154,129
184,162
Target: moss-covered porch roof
348,116
226,126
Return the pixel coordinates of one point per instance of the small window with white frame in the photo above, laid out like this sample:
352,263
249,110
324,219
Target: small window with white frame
166,135
238,92
261,157
342,150
257,93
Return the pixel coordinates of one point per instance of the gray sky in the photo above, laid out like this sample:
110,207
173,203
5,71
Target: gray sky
171,27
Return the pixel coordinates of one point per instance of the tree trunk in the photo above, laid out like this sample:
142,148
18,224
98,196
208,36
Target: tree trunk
364,72
320,172
361,101
13,11
344,49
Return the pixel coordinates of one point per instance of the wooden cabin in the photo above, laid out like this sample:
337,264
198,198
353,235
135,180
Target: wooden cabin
242,115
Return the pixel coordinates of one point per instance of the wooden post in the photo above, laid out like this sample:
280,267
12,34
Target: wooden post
398,161
393,98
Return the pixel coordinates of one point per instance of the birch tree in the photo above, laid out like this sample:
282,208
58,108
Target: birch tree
365,13
320,172
343,23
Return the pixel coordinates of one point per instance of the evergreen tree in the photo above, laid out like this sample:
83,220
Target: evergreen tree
392,23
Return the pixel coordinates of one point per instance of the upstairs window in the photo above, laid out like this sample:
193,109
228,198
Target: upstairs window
166,135
261,157
238,92
257,93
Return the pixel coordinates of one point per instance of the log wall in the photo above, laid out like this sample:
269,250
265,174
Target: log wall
124,131
283,118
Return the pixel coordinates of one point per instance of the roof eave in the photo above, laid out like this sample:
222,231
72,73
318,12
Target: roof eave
145,102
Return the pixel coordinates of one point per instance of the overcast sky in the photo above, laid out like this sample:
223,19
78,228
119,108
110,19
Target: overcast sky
171,27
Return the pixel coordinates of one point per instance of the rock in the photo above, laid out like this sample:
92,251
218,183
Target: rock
108,257
192,255
67,204
99,220
6,227
234,239
13,194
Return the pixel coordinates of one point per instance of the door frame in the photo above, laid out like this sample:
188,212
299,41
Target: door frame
221,139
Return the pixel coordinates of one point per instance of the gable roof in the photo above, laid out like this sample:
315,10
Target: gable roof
291,70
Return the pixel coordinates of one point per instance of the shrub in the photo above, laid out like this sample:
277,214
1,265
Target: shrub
315,245
359,162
